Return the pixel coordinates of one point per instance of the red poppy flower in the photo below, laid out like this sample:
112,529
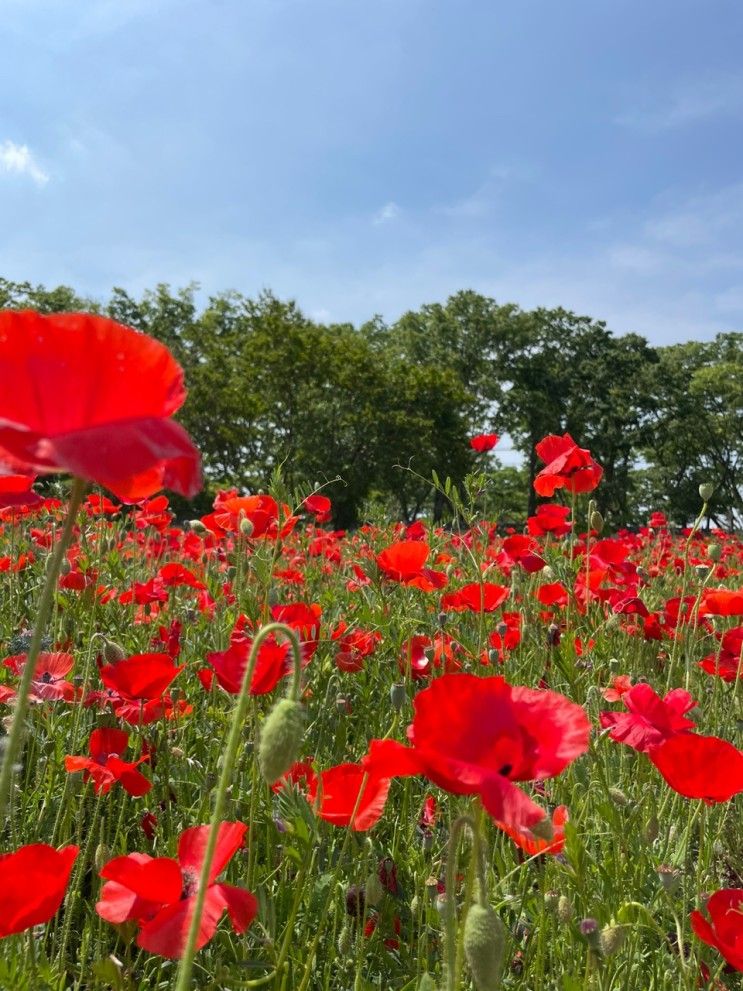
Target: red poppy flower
483,442
141,677
261,511
475,735
552,594
550,518
318,504
722,602
533,845
16,491
505,637
49,683
567,466
420,654
728,662
404,562
721,924
33,881
159,894
335,794
698,766
476,597
84,395
650,720
105,766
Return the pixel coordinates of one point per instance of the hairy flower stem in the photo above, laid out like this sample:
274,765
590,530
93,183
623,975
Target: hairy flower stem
452,956
225,779
14,740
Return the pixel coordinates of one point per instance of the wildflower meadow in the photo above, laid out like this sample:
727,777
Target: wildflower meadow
248,750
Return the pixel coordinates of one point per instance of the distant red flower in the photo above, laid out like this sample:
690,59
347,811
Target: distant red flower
105,766
84,395
318,504
477,736
49,683
650,720
335,794
33,881
159,894
698,766
550,518
620,685
404,562
533,845
262,512
476,597
419,655
721,924
483,442
728,662
567,466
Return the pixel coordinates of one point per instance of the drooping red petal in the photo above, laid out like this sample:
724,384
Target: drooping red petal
192,847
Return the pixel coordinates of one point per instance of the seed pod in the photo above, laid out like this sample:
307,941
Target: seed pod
484,946
714,552
280,739
706,490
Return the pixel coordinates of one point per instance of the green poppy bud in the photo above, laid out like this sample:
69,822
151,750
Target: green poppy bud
484,946
198,527
596,521
714,552
280,739
564,910
618,797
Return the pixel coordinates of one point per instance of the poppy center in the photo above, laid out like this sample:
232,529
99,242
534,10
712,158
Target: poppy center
46,677
506,770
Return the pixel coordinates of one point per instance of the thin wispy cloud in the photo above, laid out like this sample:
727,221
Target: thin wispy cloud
18,160
689,104
389,212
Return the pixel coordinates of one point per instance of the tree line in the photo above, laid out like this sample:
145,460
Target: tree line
384,405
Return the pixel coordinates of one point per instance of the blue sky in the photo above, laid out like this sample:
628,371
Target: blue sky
367,156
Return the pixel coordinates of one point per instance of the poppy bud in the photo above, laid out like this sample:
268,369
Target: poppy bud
373,890
101,856
553,635
345,940
706,490
596,521
113,652
246,527
280,739
427,983
484,945
443,618
547,573
652,828
493,656
551,900
618,797
564,910
198,527
398,695
714,552
611,939
670,877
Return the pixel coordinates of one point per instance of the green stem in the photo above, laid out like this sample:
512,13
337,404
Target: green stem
451,897
225,779
14,740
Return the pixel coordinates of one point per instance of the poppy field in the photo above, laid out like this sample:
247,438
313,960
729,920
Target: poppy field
247,750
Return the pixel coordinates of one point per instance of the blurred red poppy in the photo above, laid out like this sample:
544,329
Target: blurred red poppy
33,881
476,597
483,442
84,395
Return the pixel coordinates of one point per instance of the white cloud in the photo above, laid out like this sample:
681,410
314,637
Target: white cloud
18,160
689,104
389,212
